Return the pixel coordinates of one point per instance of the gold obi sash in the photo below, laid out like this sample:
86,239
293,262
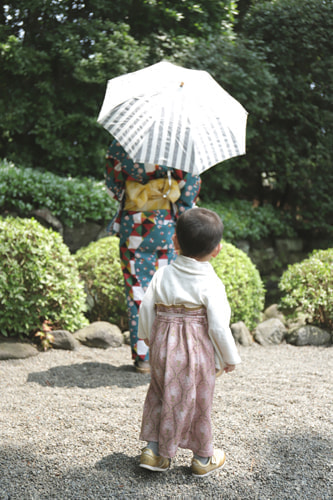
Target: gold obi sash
157,194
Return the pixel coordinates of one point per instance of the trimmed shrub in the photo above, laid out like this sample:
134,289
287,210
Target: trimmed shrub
71,200
307,287
100,269
244,287
39,280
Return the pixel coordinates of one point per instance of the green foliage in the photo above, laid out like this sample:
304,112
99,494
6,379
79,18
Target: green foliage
241,68
100,269
308,287
243,220
244,288
56,58
295,147
178,18
46,339
72,200
39,280
279,66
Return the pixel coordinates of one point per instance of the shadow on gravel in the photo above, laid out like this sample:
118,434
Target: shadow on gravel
177,482
305,459
89,375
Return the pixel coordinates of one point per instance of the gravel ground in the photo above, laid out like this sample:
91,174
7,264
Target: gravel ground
69,425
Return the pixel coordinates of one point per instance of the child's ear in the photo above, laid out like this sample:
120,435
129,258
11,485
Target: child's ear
175,242
217,250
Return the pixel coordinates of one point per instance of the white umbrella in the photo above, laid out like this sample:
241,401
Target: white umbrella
169,115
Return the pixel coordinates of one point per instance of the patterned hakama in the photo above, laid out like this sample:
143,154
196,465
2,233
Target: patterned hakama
177,410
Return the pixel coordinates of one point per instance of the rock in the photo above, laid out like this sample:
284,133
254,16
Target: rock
100,334
47,219
289,244
243,245
17,350
64,340
308,335
270,332
290,250
297,320
273,312
264,259
81,235
241,333
127,337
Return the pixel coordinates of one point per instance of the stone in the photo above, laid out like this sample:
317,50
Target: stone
273,312
127,337
309,335
81,235
243,245
298,319
47,219
17,350
64,340
264,259
270,332
100,334
287,245
241,333
290,250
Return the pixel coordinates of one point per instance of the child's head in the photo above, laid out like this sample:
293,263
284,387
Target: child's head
199,231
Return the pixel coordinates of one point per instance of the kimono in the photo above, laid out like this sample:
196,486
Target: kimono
150,202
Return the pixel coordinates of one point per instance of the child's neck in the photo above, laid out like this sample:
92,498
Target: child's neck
205,258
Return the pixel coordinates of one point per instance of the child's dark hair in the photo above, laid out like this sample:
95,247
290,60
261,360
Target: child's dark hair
198,231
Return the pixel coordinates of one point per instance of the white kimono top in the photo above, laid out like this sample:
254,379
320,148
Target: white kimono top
192,283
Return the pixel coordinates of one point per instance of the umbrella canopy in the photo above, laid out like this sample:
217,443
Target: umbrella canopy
169,115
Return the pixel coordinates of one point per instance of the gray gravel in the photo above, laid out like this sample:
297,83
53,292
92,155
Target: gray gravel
69,425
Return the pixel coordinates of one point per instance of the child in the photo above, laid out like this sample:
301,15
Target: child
184,318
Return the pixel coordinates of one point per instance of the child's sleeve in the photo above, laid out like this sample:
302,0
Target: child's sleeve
218,315
147,313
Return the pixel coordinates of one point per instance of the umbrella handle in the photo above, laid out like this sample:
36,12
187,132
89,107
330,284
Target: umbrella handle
165,195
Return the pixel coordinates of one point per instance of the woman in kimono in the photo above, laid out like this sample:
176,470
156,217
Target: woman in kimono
151,198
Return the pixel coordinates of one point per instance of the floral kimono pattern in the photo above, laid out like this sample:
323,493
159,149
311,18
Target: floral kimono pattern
145,236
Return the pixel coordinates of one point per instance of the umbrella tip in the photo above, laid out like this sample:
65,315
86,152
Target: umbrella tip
181,84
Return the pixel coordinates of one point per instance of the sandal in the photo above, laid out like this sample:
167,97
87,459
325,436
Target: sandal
142,367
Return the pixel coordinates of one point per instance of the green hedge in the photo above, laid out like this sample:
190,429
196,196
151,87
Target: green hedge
244,287
39,280
72,200
75,200
99,266
100,269
307,287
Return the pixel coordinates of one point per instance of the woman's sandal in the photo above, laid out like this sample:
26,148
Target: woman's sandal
142,367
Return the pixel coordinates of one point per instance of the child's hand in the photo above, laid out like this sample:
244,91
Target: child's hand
229,368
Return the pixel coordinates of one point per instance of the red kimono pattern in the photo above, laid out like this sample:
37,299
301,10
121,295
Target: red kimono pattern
145,237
